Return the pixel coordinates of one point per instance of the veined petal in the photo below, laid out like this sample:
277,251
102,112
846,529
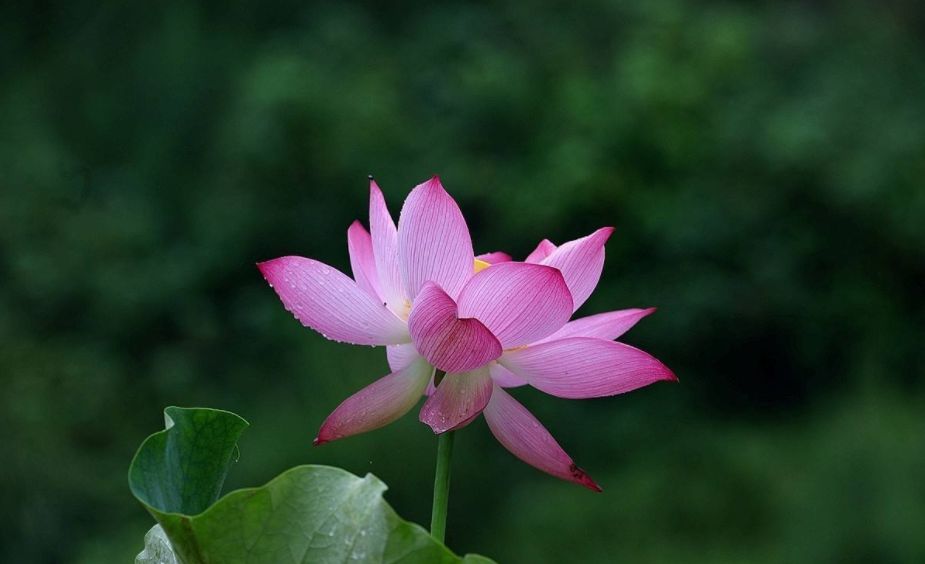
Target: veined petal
520,432
581,262
458,400
495,257
329,302
502,376
384,238
518,302
362,260
448,342
543,250
584,367
433,241
609,325
378,404
400,356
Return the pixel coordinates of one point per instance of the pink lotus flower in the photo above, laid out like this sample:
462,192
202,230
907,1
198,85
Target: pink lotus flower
487,322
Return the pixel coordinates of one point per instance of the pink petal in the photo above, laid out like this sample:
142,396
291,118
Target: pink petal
431,388
502,376
495,257
400,356
520,432
458,400
433,241
607,326
329,302
362,260
384,237
543,250
581,262
584,367
449,343
518,302
378,404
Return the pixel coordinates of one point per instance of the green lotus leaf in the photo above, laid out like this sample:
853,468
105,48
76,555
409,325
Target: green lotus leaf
315,514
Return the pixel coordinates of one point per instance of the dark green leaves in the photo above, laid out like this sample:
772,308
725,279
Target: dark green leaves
307,514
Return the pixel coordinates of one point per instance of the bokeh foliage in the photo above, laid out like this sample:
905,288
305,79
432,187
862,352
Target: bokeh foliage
763,165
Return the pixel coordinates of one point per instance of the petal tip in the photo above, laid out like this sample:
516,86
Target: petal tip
582,478
434,183
268,266
324,435
424,418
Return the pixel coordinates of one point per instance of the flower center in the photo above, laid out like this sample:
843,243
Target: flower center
481,265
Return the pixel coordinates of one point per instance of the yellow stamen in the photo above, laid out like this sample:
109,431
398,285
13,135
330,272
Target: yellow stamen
481,265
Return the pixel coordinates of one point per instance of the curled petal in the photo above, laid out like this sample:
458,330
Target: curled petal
329,302
384,238
520,432
458,400
378,404
494,258
543,250
448,342
502,376
609,325
433,241
518,302
581,262
362,260
584,367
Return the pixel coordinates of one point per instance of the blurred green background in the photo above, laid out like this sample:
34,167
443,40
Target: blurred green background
763,164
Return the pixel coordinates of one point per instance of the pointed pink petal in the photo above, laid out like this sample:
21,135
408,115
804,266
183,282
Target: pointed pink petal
581,262
584,367
520,432
458,400
502,376
543,250
607,326
378,404
495,257
329,302
518,302
433,241
449,343
384,238
362,260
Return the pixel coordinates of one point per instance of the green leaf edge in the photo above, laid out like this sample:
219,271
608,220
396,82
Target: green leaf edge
169,418
160,516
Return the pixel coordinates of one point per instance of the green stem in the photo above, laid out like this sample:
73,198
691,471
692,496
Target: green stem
441,485
441,477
